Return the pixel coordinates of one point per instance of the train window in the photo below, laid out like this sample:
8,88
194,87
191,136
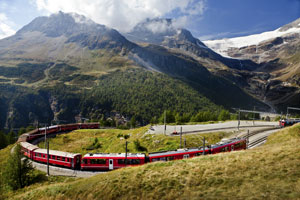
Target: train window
198,154
186,156
237,145
170,158
163,159
121,161
98,161
155,159
58,158
84,161
133,161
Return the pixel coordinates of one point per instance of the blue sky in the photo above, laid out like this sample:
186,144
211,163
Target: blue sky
206,19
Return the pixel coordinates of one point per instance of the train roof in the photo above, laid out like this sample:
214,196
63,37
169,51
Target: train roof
290,119
28,146
57,153
110,155
48,127
177,151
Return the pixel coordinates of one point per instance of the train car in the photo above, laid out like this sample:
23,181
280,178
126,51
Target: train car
58,158
27,137
89,125
229,145
288,122
177,154
110,161
69,127
50,130
27,149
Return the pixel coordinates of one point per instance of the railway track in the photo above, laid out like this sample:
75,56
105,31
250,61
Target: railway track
257,142
254,141
257,138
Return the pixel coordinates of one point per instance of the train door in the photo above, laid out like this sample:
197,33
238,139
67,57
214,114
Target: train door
111,164
77,162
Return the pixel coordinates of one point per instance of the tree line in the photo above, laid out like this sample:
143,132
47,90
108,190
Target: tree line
201,116
11,137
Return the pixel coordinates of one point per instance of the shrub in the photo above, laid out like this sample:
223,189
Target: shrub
17,173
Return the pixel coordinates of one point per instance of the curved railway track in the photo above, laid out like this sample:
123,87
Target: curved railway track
54,170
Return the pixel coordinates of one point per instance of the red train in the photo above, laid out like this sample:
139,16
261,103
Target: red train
223,146
40,132
110,161
288,122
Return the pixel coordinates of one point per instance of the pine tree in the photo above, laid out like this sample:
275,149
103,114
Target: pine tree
3,141
133,122
224,115
21,131
17,173
11,138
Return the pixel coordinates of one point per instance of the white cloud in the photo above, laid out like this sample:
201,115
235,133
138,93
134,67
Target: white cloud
5,26
123,14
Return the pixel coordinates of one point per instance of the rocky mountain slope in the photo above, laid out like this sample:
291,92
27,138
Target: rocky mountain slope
53,68
277,54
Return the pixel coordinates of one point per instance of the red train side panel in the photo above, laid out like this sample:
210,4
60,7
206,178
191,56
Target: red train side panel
176,154
59,158
229,145
102,161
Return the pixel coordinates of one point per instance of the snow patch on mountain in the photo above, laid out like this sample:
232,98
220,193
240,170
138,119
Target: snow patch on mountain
222,46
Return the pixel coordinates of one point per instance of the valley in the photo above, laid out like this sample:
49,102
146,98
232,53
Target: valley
62,72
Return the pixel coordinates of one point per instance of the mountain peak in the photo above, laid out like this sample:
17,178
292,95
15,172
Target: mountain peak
59,24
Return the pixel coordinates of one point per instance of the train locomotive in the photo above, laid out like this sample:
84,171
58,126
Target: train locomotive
288,122
111,161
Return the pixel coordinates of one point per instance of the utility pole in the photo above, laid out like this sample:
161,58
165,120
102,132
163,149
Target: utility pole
247,142
203,145
48,174
180,137
45,135
126,153
165,128
239,118
184,143
253,115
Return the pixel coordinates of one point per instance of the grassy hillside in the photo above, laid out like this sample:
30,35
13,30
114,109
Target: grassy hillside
269,172
112,141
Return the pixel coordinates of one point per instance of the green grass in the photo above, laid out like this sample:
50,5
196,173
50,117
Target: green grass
268,172
39,178
112,140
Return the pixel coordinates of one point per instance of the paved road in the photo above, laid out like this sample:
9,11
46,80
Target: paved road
225,126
